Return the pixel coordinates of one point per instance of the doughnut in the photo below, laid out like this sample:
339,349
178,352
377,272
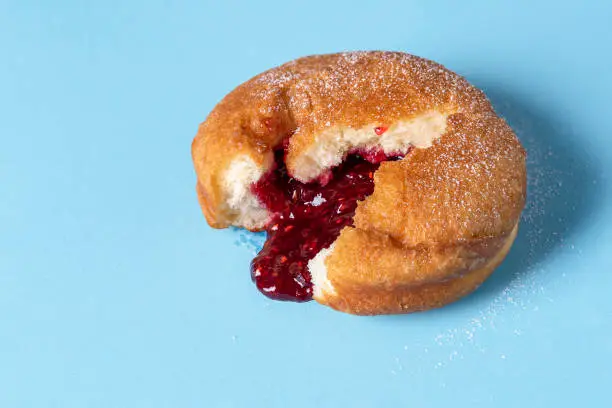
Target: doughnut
386,183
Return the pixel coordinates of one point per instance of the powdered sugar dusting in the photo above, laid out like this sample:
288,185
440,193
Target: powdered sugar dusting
317,200
357,89
313,97
467,185
560,186
353,87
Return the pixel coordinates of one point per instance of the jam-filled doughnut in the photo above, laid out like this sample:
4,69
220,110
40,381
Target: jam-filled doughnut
386,183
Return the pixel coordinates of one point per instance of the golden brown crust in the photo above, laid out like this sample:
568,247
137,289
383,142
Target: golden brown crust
207,209
429,210
305,96
382,292
469,185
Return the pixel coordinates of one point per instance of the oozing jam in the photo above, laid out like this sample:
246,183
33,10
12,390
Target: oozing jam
307,218
379,130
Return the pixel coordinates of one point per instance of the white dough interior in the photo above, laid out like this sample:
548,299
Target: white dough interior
242,173
333,144
330,148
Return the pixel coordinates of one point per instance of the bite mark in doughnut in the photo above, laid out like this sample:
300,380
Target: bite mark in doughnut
307,217
429,229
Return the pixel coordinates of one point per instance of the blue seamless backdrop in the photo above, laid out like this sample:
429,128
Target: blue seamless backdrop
115,293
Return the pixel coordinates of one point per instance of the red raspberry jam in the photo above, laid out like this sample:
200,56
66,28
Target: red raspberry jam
379,130
307,218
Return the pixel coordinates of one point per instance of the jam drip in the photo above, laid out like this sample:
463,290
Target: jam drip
307,218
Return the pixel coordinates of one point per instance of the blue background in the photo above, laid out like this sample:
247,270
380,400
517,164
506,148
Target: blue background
115,293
